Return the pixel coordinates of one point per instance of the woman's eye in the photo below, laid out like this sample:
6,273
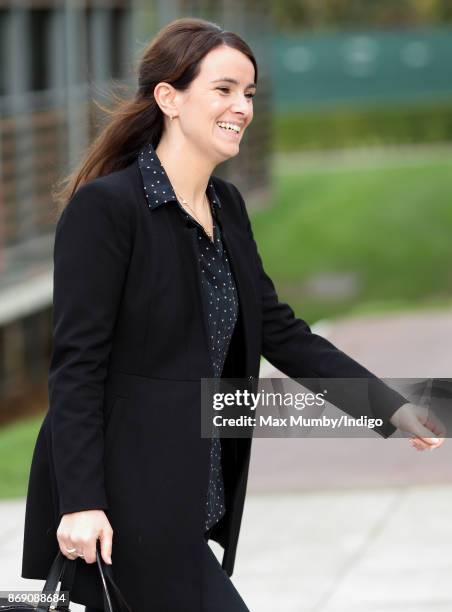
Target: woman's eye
226,89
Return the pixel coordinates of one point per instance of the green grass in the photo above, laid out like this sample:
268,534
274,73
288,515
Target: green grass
16,448
389,228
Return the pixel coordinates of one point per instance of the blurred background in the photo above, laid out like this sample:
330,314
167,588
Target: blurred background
346,171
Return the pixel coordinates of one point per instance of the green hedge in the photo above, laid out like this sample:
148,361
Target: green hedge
370,126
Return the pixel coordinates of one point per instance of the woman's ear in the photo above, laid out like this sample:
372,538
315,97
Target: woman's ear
165,96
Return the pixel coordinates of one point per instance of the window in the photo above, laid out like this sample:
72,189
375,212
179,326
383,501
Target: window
3,43
119,55
40,38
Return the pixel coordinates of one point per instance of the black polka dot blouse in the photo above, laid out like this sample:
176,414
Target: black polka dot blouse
219,295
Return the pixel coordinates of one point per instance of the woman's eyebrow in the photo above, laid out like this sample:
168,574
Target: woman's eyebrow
229,80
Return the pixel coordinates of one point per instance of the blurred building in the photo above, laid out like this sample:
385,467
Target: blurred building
55,56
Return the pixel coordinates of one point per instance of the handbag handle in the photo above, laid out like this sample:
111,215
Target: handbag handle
63,569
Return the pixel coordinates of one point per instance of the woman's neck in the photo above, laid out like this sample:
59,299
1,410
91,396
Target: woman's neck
187,172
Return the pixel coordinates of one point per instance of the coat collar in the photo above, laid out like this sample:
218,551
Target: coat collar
157,186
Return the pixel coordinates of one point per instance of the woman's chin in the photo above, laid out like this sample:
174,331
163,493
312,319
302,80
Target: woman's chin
229,149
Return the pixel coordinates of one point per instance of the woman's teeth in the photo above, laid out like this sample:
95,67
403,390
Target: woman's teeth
229,126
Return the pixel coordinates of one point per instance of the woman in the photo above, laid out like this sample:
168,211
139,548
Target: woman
158,283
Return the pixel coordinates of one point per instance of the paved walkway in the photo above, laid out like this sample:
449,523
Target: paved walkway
415,345
337,525
381,550
385,550
333,525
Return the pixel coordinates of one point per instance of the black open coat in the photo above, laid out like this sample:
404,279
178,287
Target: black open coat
122,432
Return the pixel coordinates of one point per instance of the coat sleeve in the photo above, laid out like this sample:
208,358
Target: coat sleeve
91,253
289,344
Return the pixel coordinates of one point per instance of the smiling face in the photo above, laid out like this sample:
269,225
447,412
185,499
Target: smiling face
222,93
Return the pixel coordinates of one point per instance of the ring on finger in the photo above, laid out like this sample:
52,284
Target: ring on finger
74,550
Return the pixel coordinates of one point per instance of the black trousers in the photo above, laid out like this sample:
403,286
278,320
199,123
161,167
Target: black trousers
219,595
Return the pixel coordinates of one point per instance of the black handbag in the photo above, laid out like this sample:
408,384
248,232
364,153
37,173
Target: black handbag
63,569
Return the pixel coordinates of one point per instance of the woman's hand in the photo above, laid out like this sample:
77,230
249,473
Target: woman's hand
79,531
422,423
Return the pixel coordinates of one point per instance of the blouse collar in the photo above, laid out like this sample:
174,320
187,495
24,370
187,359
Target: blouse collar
157,186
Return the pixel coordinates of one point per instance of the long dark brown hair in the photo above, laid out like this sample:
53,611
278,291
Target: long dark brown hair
173,56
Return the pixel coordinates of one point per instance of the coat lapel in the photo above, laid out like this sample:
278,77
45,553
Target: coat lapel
242,272
243,275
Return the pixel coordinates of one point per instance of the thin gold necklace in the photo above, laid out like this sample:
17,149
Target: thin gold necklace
196,217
